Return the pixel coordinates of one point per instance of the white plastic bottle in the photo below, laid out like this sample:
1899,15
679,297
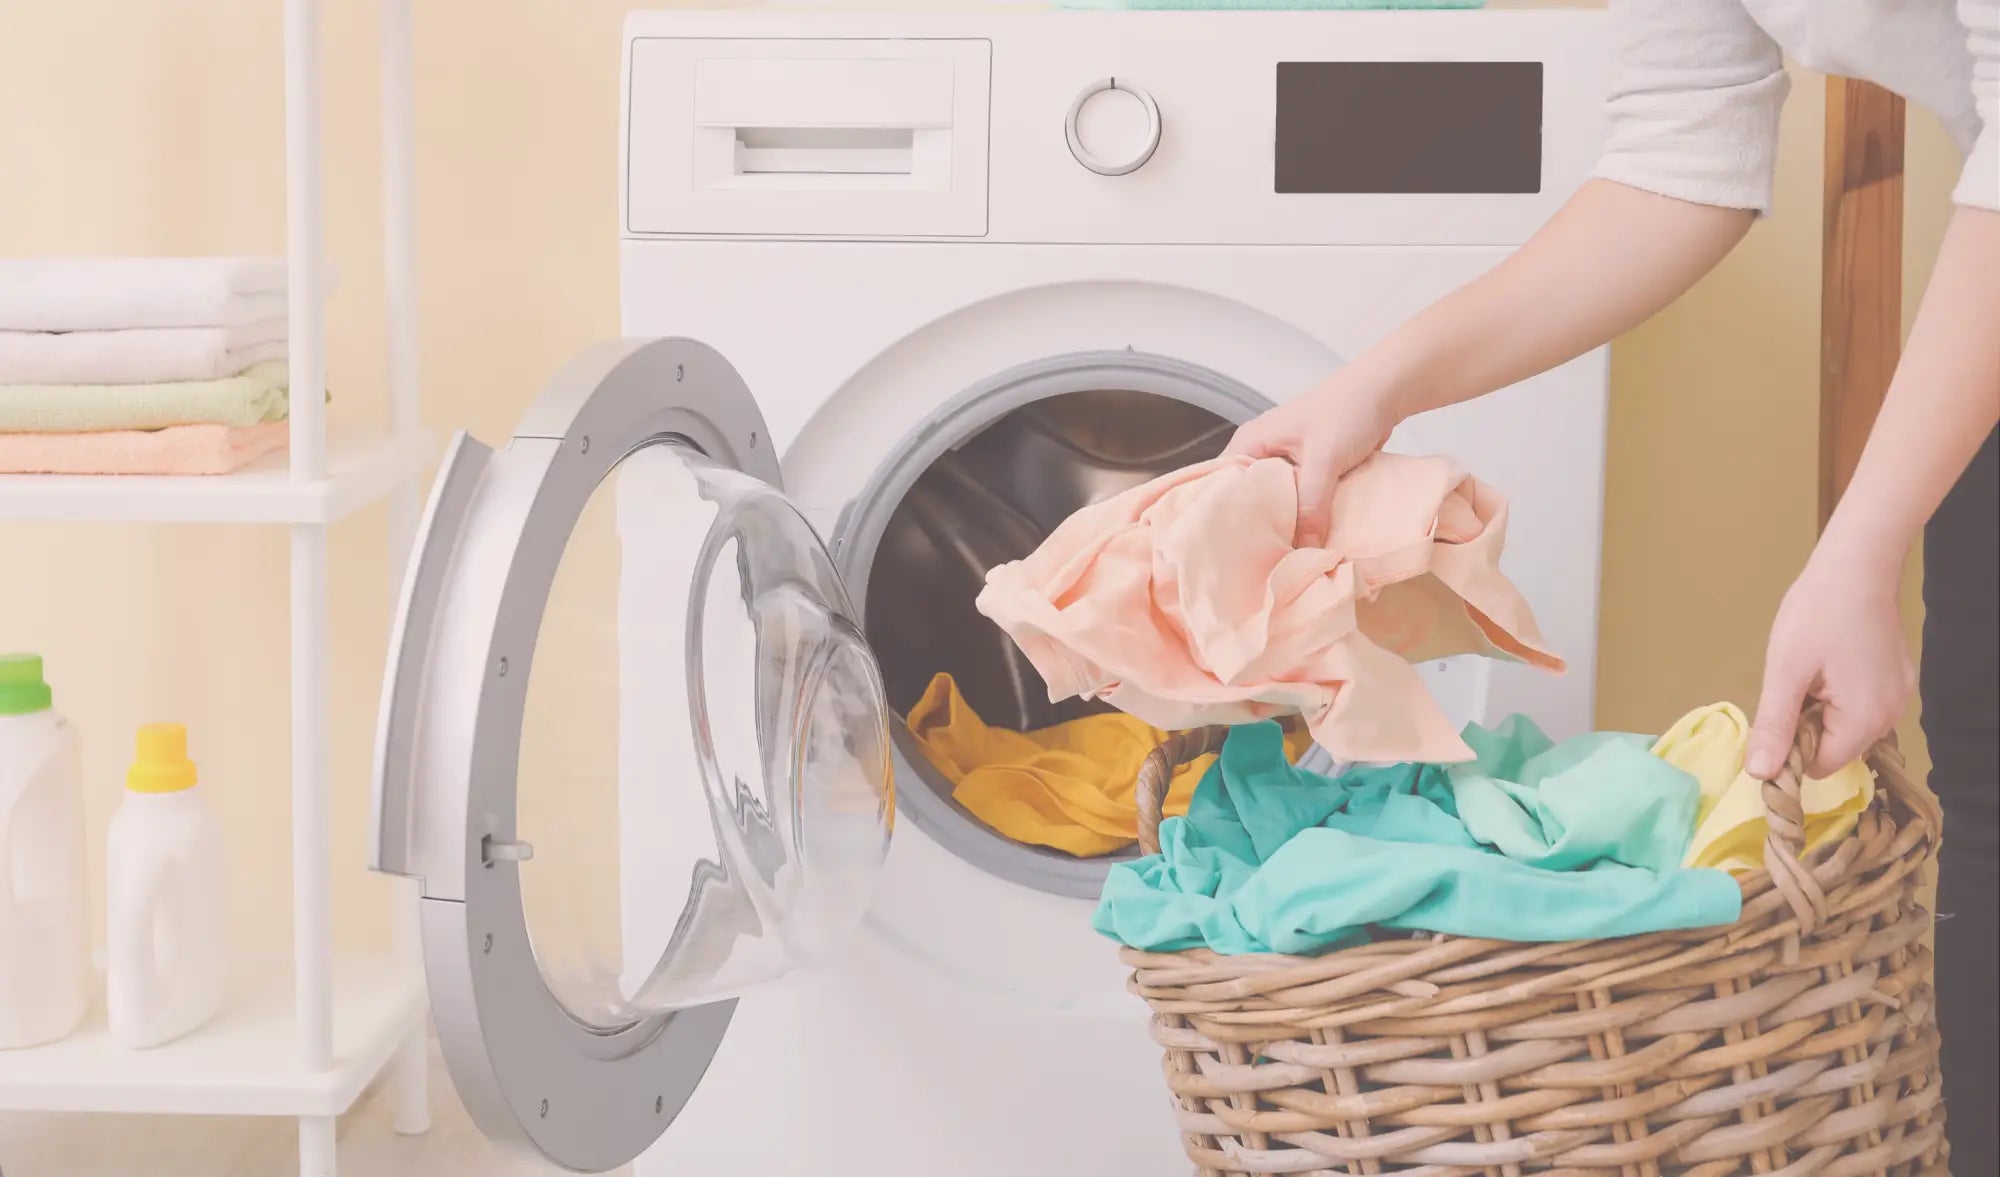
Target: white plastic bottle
165,949
44,896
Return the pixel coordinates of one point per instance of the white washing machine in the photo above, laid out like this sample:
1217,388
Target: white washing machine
925,282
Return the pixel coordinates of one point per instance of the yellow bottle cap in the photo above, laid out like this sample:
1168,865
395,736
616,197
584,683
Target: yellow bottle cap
162,764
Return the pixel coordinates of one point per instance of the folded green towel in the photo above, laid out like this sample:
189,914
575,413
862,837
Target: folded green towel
1534,841
250,398
1266,4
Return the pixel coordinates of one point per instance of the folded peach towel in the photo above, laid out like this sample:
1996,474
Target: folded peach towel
1183,602
179,449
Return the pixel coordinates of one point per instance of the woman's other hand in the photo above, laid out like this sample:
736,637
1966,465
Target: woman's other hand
1838,638
1325,433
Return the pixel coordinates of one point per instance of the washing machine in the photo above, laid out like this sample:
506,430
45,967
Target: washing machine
900,291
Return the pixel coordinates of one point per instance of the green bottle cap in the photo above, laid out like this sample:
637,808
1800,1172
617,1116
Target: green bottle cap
22,688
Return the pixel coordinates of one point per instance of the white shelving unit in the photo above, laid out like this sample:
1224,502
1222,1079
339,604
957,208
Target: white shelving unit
244,1063
305,1041
360,469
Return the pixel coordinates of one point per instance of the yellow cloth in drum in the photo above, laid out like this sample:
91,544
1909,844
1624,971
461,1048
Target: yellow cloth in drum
1709,743
1068,787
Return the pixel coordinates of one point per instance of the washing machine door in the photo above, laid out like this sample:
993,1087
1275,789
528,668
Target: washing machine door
618,638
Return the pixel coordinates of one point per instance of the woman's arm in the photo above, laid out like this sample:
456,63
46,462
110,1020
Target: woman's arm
1691,143
1610,258
1838,636
1607,261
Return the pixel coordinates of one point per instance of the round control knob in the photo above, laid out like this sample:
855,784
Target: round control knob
1113,127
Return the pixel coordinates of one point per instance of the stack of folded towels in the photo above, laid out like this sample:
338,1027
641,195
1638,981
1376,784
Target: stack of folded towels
141,365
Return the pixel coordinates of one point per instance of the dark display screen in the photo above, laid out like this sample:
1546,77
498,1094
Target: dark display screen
1409,126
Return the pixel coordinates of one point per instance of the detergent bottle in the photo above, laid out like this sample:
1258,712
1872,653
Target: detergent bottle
44,902
165,950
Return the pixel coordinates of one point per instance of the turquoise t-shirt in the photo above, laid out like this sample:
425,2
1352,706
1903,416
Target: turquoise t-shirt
1532,841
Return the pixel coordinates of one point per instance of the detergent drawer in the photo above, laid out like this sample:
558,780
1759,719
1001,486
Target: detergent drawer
807,138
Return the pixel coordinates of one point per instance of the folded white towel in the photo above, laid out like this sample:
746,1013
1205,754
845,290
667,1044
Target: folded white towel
146,355
114,293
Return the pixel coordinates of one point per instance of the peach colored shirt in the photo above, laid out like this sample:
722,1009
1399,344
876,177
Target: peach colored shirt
1183,602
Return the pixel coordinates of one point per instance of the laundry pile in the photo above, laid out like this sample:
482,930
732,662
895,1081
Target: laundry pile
1068,786
1535,841
141,365
1185,603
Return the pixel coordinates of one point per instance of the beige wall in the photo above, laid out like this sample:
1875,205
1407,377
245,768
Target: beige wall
152,126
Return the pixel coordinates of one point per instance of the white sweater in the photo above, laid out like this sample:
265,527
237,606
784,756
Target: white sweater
1694,105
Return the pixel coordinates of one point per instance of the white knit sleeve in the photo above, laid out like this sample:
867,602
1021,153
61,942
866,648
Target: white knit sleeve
1694,103
1979,186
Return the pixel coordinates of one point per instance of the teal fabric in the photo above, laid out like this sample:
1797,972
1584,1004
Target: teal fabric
1533,841
1596,798
1266,4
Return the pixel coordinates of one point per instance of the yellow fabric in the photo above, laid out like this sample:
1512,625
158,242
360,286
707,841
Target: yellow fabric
1709,743
1068,787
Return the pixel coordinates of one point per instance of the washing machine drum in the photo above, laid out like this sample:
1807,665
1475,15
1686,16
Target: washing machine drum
993,496
633,747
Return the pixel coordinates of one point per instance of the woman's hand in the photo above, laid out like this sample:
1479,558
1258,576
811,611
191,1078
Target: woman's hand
1325,433
1839,639
1839,636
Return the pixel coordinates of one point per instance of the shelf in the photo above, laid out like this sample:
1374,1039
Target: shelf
241,1064
361,467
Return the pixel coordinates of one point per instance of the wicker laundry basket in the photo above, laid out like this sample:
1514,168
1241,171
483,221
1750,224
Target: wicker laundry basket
1800,1040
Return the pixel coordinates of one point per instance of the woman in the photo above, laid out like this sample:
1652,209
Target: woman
1688,167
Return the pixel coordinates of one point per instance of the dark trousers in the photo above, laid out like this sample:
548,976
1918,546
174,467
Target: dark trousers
1961,716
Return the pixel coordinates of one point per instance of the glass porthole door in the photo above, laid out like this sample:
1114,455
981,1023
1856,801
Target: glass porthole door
632,747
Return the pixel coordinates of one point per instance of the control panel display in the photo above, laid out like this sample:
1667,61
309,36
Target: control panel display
1415,127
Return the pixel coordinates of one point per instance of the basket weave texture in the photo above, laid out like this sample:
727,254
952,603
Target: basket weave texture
1800,1040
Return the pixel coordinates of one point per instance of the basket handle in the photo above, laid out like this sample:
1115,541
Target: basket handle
1784,814
1157,774
1784,842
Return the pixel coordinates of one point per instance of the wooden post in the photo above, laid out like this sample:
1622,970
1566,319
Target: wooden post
1861,274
